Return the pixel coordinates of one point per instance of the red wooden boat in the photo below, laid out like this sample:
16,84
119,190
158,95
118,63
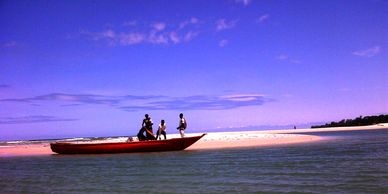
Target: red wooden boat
174,144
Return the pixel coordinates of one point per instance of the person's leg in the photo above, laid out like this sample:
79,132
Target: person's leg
140,135
160,134
157,134
164,134
182,132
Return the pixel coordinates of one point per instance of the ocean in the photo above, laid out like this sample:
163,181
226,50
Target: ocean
347,162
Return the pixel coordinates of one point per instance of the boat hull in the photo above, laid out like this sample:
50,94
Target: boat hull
174,144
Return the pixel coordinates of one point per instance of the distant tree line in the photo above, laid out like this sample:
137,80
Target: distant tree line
359,121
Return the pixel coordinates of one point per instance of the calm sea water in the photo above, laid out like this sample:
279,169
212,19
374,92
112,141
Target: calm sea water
353,162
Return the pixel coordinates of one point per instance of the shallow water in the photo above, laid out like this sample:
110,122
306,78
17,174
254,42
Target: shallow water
353,162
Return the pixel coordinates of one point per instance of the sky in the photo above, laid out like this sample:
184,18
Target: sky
94,68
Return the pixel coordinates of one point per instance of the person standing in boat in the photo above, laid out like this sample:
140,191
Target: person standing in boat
147,122
182,125
161,130
146,127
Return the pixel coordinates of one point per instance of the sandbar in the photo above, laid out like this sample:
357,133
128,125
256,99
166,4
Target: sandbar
216,140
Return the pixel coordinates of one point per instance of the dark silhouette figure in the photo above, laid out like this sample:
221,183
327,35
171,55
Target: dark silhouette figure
147,129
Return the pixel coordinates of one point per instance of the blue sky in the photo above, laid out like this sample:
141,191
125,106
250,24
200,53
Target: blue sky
94,68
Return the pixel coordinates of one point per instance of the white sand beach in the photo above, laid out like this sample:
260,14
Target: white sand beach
217,140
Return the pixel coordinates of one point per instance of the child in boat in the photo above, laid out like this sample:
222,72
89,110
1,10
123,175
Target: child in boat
161,130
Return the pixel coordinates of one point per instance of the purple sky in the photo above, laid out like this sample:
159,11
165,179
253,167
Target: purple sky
94,68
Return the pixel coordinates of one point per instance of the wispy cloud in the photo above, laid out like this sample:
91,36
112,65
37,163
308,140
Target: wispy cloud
244,2
137,103
113,38
4,86
284,57
159,26
223,42
154,33
192,20
130,38
174,37
80,98
190,35
223,24
370,52
263,18
201,103
157,38
108,34
98,35
32,119
9,44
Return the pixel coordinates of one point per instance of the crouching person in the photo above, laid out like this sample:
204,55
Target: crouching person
161,130
141,135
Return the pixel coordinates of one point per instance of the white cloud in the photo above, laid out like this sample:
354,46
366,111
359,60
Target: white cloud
284,57
131,38
159,26
32,119
190,35
222,24
174,37
108,34
155,33
223,43
157,38
192,20
147,102
370,52
242,97
244,2
263,18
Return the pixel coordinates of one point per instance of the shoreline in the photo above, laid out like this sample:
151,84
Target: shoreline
216,140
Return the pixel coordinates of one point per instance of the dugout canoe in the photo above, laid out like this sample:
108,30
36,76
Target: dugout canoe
174,144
